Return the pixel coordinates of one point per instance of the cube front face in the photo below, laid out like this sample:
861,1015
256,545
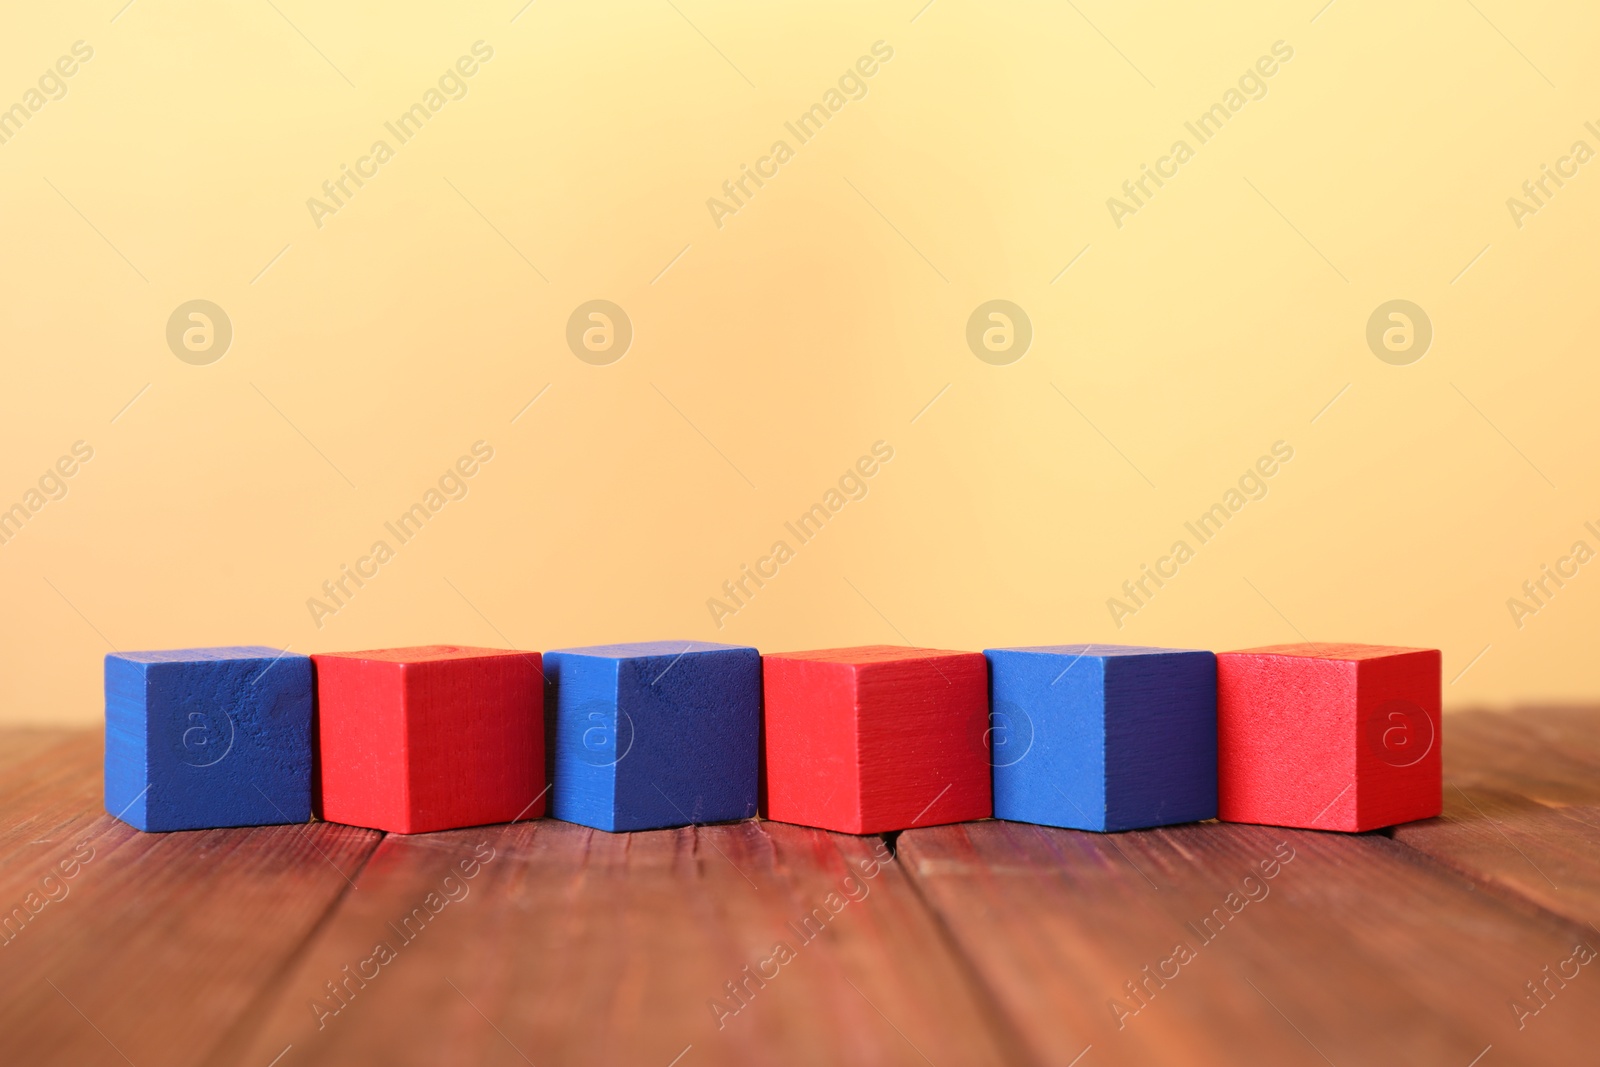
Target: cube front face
1399,757
362,778
879,738
1049,737
810,757
200,738
584,738
1328,737
413,740
654,734
1103,737
1161,738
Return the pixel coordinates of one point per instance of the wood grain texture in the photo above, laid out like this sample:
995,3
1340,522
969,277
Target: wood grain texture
983,943
1518,847
155,943
19,745
1522,808
1551,755
1352,953
571,945
876,738
1328,736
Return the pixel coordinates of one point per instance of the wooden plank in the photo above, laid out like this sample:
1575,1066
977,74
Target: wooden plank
46,800
1522,808
1551,755
1355,952
155,943
570,945
1518,847
18,745
574,946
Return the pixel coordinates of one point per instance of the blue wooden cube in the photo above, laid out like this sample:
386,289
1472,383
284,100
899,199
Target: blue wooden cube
656,734
1103,737
206,737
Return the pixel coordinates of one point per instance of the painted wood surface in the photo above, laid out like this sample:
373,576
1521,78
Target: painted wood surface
412,740
1522,809
200,738
1551,755
876,738
653,734
144,948
1103,737
1328,736
736,944
1453,939
1227,944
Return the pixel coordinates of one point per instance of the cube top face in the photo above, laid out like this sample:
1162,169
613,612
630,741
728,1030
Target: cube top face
868,655
655,734
200,655
420,654
1329,737
688,670
645,649
866,740
1328,650
209,737
1103,737
1089,651
430,738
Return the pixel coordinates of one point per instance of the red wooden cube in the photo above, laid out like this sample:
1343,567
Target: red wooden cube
1328,736
418,739
867,740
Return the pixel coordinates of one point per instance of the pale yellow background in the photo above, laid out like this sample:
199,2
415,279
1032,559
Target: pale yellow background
825,316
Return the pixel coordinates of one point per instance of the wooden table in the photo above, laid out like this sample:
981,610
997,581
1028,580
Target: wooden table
549,944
